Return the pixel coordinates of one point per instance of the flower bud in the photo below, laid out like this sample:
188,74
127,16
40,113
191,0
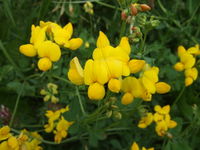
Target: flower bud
188,81
114,85
96,91
179,66
109,114
117,115
162,87
124,15
127,98
136,65
44,64
145,7
133,10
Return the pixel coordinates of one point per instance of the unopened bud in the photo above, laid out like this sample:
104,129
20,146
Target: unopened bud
123,15
114,106
145,7
117,115
133,10
109,114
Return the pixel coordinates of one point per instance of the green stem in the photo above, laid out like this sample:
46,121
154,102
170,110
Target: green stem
62,79
178,97
16,106
162,7
107,5
80,101
123,28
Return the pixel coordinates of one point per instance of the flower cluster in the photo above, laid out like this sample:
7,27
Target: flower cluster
88,7
50,92
46,40
57,124
162,119
108,66
19,142
134,9
187,62
143,87
136,147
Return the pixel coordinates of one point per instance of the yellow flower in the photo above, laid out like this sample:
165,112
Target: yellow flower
61,129
4,133
162,110
127,98
75,73
188,81
161,128
96,91
49,127
114,85
191,72
162,87
50,50
136,65
28,50
146,120
44,64
13,143
52,115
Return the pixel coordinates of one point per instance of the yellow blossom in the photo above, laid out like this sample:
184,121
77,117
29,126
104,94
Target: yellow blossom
75,73
179,66
146,120
4,133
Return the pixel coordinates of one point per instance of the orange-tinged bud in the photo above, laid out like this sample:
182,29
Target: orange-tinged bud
44,64
127,99
145,7
134,10
123,15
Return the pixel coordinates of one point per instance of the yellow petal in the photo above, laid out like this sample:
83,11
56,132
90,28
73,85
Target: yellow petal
181,50
134,146
115,68
179,66
69,28
102,40
96,91
188,81
101,71
162,87
127,98
50,50
191,72
124,44
44,64
28,50
89,76
136,65
114,85
149,84
74,43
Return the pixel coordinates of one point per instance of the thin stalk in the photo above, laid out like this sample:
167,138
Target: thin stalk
107,5
123,28
80,101
16,106
178,97
62,79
